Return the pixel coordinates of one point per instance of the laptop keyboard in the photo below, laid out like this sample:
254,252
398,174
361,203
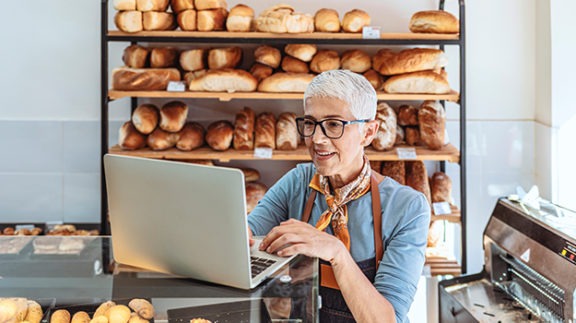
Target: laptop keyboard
259,265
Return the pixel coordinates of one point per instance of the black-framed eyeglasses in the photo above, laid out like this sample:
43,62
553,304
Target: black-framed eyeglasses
332,128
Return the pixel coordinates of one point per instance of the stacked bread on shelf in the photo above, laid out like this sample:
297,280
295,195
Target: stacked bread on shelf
12,231
19,309
137,310
138,15
434,21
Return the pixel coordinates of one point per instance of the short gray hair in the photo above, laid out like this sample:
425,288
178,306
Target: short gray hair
347,86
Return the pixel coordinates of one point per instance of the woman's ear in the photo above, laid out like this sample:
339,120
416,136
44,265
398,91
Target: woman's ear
370,131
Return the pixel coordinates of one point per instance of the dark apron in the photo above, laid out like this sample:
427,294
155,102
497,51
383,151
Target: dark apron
334,308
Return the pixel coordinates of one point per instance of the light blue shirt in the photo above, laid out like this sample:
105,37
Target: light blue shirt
405,221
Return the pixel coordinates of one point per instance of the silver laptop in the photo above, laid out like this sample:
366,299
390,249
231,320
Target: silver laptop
183,219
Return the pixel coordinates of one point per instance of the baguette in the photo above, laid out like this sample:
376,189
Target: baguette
133,79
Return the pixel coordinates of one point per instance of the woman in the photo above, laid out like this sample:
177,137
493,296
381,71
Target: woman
368,231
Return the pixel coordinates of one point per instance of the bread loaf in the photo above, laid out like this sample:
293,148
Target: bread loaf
125,5
190,137
228,57
244,129
193,59
129,138
299,23
148,79
222,80
441,187
219,135
400,136
145,118
417,178
161,57
386,134
434,21
412,136
282,19
356,61
250,174
187,20
303,52
162,140
181,5
325,60
158,21
211,20
265,131
417,82
286,132
173,116
268,55
435,234
407,115
135,56
395,170
129,21
286,82
294,65
355,20
432,119
152,5
261,71
327,20
255,191
374,78
210,4
190,76
240,18
388,62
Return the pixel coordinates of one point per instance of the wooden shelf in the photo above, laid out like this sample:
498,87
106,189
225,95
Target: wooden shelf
453,217
447,153
225,96
443,266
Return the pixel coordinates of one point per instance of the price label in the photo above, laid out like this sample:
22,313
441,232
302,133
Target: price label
406,153
371,32
441,208
263,153
176,86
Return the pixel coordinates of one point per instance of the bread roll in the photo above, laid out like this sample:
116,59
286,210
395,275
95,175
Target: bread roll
161,57
441,187
265,131
400,136
102,308
125,5
118,314
412,136
417,178
432,119
325,60
255,191
327,20
59,316
153,21
219,135
190,137
268,55
228,57
395,170
210,4
129,21
135,56
193,59
173,116
250,174
229,80
434,21
34,313
145,118
181,5
286,132
407,115
188,20
261,71
303,52
129,138
211,20
286,82
152,5
386,134
355,20
299,23
274,19
294,65
374,78
356,61
80,317
244,129
240,18
417,82
388,62
162,140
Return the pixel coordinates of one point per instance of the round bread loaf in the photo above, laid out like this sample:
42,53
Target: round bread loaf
356,61
261,71
325,60
327,20
407,115
228,57
250,174
193,59
161,57
129,138
434,21
191,136
268,55
187,20
145,118
441,187
162,140
173,116
136,56
294,65
374,78
240,18
303,52
255,191
355,20
219,135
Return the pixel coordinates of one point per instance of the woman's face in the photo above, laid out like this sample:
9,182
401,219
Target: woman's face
342,157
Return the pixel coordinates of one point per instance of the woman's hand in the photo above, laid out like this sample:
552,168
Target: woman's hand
250,238
296,237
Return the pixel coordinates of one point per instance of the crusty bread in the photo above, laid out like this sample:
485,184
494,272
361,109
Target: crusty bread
412,136
180,5
173,116
417,82
434,21
432,120
407,115
162,140
294,65
282,19
240,18
286,132
211,19
395,170
285,82
386,134
145,118
161,57
374,78
327,20
148,79
400,136
219,135
261,71
441,187
303,52
224,80
388,62
356,60
129,21
187,20
158,21
244,129
265,131
255,191
417,178
190,76
190,137
210,4
268,55
250,174
299,23
135,56
152,5
129,138
325,60
193,59
228,57
354,20
124,5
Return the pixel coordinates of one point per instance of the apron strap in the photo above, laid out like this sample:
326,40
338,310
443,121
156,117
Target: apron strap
308,207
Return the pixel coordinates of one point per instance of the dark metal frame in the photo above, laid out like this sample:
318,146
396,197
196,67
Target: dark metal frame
105,39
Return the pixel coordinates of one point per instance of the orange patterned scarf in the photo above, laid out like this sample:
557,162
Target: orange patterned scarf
337,211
